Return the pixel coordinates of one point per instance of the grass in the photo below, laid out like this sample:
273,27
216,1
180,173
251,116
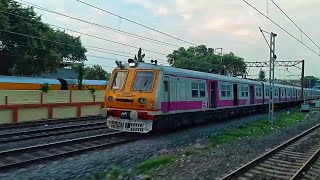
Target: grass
150,164
255,129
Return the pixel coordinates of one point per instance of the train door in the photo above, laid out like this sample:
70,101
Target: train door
213,97
279,94
263,95
166,90
285,94
251,94
235,95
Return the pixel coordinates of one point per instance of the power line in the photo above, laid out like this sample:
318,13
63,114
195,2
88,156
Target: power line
33,47
93,36
58,42
280,27
100,25
134,22
294,23
86,64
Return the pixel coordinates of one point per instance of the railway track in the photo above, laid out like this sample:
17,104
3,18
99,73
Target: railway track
50,131
48,122
23,156
298,158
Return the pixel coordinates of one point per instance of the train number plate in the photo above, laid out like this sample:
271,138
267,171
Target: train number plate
117,124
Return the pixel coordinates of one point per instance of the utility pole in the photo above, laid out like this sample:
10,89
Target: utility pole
271,76
273,57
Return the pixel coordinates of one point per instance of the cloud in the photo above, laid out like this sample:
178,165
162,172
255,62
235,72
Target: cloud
157,8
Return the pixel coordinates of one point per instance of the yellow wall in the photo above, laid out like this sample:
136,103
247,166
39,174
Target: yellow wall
100,95
54,96
30,114
20,96
90,110
16,97
82,96
64,112
5,116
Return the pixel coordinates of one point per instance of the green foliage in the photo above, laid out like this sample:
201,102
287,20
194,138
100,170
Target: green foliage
154,163
262,75
32,56
255,129
310,81
80,70
140,56
45,87
92,90
201,58
115,173
96,72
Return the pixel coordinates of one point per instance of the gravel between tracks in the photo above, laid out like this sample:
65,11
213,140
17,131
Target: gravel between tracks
207,166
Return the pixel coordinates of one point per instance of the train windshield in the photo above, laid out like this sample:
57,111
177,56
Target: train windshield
143,81
119,79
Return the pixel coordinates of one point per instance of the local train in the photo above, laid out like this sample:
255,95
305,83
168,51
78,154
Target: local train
142,97
35,83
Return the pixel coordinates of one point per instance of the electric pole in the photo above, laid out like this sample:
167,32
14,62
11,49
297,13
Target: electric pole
273,57
271,76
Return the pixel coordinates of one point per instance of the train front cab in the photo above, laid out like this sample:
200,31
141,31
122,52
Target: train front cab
130,98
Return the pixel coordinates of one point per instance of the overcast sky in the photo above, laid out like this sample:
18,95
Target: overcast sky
230,24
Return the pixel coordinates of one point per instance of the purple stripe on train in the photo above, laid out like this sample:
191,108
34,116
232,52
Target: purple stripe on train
180,105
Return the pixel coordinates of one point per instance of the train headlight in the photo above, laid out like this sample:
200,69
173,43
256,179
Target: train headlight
134,115
104,112
110,98
142,100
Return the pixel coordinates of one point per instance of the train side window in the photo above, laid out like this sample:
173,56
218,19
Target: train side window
258,91
267,91
244,91
202,88
225,90
195,89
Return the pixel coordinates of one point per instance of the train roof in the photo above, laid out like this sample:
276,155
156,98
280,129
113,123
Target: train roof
35,80
198,74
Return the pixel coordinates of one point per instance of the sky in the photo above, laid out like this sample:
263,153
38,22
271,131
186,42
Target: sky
229,24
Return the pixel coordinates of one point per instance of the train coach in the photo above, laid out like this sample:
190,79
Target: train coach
142,97
35,83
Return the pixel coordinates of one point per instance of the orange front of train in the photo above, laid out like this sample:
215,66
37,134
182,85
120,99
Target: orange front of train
130,98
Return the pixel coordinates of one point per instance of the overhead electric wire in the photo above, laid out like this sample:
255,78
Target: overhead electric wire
26,45
280,27
85,64
101,26
134,22
93,36
294,23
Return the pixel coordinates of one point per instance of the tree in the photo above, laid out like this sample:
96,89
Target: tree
80,69
96,72
310,81
140,56
262,75
23,55
201,58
